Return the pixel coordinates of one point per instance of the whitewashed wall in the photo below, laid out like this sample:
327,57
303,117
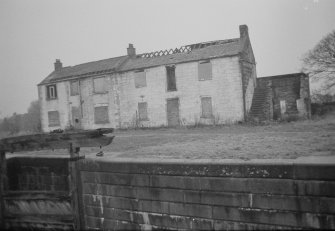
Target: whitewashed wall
122,99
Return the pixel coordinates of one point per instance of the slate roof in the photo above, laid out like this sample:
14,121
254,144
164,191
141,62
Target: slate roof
220,48
86,69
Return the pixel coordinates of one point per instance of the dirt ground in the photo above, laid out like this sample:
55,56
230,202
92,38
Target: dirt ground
272,141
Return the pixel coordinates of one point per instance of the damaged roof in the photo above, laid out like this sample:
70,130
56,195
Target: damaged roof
231,47
189,53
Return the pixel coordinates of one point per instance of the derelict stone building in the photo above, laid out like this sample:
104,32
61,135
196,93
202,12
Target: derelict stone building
210,83
281,96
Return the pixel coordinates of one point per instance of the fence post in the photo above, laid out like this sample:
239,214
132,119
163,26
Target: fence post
3,187
75,188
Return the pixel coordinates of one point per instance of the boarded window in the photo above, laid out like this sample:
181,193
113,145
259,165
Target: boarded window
171,78
74,87
206,107
205,70
143,111
100,85
101,115
282,107
140,79
53,117
51,92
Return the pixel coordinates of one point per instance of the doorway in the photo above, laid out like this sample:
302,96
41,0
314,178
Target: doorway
76,118
172,108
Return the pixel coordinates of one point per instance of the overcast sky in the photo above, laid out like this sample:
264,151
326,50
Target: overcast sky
36,32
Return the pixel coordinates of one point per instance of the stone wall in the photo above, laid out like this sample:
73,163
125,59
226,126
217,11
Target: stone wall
122,98
248,67
289,95
61,104
207,195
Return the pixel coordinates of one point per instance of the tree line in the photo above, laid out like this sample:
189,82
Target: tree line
26,123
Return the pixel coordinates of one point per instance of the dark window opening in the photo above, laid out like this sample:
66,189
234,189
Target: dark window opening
171,78
52,92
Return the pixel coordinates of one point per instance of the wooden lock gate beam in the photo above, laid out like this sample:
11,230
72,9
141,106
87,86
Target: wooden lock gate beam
43,141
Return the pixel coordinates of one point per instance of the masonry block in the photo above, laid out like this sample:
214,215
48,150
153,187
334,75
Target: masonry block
110,224
92,222
317,188
115,178
314,172
181,182
153,206
191,210
160,194
227,199
109,190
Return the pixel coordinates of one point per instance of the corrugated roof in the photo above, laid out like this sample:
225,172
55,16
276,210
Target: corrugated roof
125,63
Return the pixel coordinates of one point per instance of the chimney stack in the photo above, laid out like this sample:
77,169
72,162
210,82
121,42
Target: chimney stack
131,50
58,65
244,31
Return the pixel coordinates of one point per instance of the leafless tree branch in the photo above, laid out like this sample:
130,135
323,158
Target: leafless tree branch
319,62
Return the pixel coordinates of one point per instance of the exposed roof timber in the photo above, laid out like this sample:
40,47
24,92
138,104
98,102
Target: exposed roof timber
189,53
184,49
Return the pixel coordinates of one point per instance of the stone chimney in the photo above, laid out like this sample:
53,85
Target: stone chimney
58,65
244,31
131,50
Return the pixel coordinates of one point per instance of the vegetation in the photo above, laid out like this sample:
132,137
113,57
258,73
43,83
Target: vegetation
27,123
318,97
319,62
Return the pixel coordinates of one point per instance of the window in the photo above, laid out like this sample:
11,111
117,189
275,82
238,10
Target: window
53,117
101,115
205,70
52,92
100,85
143,111
140,79
74,87
171,78
206,107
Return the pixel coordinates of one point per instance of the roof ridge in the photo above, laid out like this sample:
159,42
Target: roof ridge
219,40
185,48
97,61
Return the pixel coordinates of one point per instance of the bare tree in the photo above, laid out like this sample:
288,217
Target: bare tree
319,62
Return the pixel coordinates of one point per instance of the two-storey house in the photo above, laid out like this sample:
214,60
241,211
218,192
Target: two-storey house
209,82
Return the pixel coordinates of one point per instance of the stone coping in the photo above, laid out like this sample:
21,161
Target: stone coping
114,157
